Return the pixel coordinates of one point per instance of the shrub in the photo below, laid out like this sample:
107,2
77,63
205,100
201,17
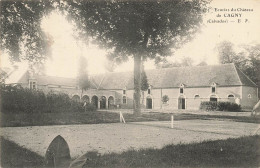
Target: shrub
219,106
228,106
23,100
165,98
208,105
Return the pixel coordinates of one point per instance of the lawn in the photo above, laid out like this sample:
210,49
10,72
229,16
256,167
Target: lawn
239,152
13,155
41,119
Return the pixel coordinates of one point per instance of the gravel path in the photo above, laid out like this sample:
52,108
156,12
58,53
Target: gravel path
117,137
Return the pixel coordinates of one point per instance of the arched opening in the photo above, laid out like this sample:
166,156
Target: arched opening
197,96
85,98
103,101
149,103
124,99
231,98
94,101
181,102
213,98
76,98
110,102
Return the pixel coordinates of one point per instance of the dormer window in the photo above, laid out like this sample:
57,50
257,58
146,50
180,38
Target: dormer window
213,88
149,90
181,88
124,90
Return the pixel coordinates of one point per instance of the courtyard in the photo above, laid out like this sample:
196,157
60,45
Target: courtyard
118,137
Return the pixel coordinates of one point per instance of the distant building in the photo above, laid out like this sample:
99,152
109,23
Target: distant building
184,87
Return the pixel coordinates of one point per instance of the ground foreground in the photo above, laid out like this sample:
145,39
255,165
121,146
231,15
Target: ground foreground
117,137
240,152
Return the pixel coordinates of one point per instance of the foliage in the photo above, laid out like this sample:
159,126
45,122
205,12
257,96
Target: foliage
219,106
208,105
144,81
20,29
83,79
228,106
128,28
247,60
22,100
164,63
165,99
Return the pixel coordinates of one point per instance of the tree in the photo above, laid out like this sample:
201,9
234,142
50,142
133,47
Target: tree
164,63
83,80
226,53
144,82
247,60
21,34
129,28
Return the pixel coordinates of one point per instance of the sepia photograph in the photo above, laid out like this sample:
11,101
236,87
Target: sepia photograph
129,83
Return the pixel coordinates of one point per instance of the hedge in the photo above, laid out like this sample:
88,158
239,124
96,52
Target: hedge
23,100
219,106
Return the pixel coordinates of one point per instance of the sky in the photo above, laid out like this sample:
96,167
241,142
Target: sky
66,50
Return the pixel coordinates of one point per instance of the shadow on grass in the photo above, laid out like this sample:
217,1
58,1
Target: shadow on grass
13,155
241,152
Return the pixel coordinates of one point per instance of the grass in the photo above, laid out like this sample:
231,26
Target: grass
41,119
241,152
13,155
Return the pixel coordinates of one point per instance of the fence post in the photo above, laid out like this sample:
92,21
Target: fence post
172,118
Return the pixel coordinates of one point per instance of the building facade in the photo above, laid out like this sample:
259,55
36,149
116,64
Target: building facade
169,88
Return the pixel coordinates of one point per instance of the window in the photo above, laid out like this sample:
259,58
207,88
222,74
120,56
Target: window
32,85
149,91
197,96
213,89
181,90
124,91
124,99
231,96
249,96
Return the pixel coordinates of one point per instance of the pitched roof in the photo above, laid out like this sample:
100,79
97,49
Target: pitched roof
197,76
54,80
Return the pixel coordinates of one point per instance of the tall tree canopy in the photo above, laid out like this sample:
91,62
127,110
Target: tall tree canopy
83,79
247,59
147,29
164,63
21,34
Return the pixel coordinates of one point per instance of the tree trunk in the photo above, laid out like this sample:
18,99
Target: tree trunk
137,84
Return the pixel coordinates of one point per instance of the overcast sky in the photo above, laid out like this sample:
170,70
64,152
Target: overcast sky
66,51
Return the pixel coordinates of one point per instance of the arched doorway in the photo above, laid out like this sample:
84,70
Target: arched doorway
76,98
85,98
103,101
149,103
110,102
181,102
94,101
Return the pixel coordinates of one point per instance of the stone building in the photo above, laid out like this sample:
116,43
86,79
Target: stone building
170,88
